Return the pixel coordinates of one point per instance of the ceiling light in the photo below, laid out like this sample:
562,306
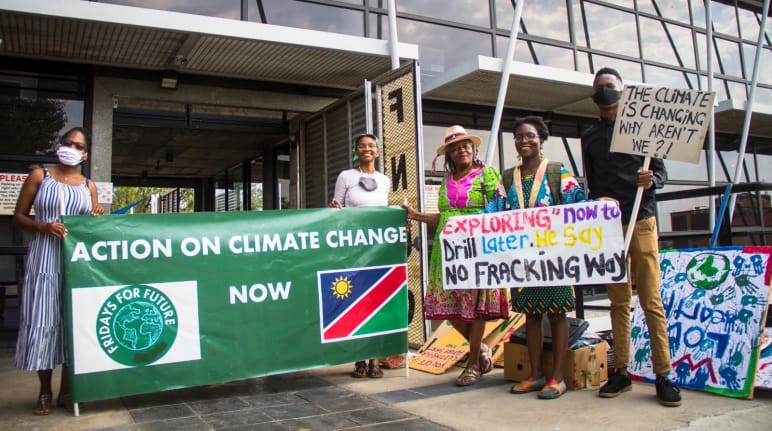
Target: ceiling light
169,80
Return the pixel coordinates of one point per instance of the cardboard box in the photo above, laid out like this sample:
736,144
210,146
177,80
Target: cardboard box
583,367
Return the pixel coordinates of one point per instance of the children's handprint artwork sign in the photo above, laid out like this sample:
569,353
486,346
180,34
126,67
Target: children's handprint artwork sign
715,304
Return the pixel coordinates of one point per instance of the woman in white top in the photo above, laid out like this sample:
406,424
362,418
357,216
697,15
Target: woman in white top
361,187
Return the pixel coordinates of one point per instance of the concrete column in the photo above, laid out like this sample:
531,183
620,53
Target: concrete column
101,152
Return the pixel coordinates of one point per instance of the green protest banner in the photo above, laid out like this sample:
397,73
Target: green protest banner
165,301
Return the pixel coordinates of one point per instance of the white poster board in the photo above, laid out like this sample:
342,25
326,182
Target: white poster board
664,123
10,186
560,245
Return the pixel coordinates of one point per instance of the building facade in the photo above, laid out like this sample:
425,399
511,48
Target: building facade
212,96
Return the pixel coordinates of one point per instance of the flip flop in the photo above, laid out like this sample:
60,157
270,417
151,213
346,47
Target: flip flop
553,389
528,385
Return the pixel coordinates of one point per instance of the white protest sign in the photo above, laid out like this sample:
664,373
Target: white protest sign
560,245
10,186
664,123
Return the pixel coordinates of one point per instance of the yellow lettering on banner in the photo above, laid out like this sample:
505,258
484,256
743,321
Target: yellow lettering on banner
546,238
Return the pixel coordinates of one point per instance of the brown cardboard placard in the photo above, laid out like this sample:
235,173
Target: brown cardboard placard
447,346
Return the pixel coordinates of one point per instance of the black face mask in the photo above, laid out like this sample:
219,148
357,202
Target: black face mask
368,183
606,96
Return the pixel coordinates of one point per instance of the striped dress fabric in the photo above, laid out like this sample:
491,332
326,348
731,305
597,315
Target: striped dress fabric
41,344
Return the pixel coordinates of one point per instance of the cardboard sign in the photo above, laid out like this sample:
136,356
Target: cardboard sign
664,123
715,303
573,244
446,347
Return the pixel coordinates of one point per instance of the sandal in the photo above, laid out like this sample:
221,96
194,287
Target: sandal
360,370
486,361
468,377
528,385
553,389
43,406
65,401
375,371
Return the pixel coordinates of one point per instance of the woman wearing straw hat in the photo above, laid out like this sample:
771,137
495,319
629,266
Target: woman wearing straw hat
466,189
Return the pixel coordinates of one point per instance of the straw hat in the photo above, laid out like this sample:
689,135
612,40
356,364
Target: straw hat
454,134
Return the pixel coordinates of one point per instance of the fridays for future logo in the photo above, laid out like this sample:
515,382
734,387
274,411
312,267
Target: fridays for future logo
116,327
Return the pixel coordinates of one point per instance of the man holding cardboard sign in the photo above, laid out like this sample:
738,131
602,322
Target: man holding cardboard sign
617,176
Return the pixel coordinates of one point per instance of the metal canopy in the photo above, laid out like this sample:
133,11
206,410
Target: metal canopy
531,87
138,38
547,89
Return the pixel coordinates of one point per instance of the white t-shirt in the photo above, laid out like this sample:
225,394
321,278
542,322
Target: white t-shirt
350,194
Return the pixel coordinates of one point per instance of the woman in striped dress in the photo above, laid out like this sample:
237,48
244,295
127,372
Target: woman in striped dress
54,191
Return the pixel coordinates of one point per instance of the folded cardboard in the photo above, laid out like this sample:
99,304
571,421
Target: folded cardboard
583,367
447,346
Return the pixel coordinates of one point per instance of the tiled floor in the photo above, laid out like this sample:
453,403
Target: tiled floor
292,401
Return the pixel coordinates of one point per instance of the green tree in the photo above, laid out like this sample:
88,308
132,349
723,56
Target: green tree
124,196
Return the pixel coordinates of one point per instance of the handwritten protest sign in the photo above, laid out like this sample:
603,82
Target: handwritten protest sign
715,302
664,123
549,246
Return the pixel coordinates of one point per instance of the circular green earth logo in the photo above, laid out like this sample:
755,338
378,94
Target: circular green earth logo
137,325
707,270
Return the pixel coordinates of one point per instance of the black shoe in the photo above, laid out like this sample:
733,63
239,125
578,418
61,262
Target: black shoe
667,394
616,384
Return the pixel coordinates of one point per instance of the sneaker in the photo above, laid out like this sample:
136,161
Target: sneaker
616,384
667,394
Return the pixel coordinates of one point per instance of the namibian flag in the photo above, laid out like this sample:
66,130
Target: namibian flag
362,302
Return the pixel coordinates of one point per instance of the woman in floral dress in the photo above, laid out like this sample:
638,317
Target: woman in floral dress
462,193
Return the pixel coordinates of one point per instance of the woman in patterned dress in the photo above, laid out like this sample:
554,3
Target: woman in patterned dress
530,188
465,190
54,191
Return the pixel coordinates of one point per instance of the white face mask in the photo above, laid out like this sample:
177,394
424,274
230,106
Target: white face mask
69,156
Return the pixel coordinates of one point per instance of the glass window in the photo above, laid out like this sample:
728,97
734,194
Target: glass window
619,38
763,96
578,26
545,18
656,44
677,10
221,8
737,91
554,56
35,109
729,57
661,77
630,71
313,17
441,47
462,11
698,13
724,18
749,25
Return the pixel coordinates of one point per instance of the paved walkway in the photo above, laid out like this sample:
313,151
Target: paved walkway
328,399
